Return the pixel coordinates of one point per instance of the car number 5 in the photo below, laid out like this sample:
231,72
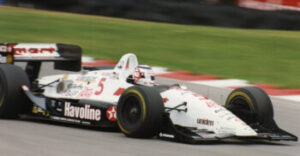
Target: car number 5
101,86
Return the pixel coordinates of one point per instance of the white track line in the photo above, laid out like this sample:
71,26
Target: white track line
291,97
223,83
87,59
159,70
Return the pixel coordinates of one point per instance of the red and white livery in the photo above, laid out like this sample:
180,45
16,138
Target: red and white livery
127,97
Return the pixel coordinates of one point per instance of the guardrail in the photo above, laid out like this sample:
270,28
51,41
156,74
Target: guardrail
180,11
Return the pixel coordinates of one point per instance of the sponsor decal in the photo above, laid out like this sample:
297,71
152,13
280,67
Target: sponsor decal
226,130
33,50
221,110
111,113
45,113
70,120
10,47
35,110
86,78
119,91
21,51
85,112
211,104
100,86
165,100
230,117
65,77
200,98
73,90
71,93
205,122
75,86
3,48
3,59
86,92
237,120
109,75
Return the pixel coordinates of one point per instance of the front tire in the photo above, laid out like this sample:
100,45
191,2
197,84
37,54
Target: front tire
252,105
140,112
12,99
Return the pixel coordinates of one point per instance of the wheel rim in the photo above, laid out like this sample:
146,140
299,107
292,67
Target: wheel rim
131,110
240,107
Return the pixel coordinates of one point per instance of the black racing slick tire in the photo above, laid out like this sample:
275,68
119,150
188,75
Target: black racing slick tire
252,105
140,112
12,99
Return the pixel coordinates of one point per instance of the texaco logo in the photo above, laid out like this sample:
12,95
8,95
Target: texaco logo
111,113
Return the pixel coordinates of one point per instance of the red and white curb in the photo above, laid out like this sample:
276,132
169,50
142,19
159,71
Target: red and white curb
208,80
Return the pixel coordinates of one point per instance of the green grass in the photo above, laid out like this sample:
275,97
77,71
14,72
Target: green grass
261,56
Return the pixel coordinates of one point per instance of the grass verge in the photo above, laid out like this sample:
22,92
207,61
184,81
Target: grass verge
261,56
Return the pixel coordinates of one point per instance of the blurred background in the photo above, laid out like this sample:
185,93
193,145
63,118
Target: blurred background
280,14
255,40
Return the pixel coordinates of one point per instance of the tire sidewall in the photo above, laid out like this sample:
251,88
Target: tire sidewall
3,94
259,102
129,129
152,109
14,100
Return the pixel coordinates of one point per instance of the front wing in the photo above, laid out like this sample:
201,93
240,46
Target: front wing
192,135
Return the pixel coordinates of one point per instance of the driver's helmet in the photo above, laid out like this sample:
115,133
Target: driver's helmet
143,75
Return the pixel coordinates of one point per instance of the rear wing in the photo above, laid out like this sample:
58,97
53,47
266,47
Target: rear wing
64,56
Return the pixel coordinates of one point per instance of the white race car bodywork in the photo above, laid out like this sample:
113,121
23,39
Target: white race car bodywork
204,114
199,112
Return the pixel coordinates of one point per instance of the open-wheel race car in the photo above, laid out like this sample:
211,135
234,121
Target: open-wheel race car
127,97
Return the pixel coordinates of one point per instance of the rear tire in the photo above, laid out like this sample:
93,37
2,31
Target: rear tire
252,105
140,112
12,99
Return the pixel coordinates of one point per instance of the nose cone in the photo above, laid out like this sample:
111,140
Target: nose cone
234,127
245,131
